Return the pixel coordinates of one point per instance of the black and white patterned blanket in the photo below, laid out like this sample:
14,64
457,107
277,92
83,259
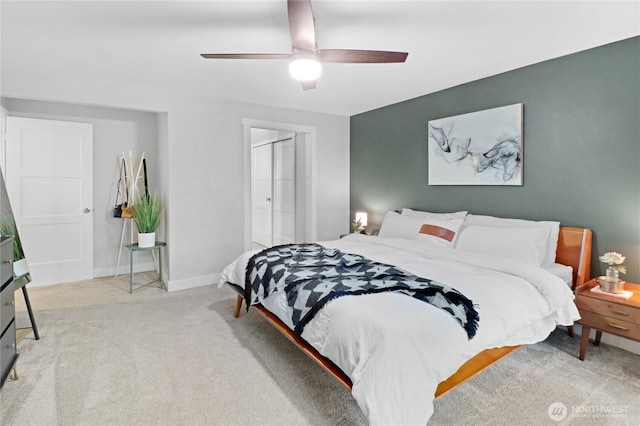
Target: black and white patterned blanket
311,275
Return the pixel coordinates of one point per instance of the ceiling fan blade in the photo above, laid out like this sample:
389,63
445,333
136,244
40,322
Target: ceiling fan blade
308,85
246,55
301,25
351,56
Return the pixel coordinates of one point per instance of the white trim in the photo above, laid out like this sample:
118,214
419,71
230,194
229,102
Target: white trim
311,134
201,281
3,139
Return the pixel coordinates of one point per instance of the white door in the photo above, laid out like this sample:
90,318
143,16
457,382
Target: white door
284,192
50,186
261,194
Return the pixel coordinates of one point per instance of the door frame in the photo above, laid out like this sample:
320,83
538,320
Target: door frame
3,139
310,134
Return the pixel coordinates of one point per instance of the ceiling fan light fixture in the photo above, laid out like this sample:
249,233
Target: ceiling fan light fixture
305,68
305,58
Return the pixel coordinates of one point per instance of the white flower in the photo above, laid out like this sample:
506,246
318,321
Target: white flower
615,261
612,258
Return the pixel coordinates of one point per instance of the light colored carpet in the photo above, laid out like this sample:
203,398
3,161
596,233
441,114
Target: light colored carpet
155,358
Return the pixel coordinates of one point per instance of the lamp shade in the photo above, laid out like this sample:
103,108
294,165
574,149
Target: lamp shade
362,217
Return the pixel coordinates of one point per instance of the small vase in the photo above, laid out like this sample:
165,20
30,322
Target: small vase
147,239
612,275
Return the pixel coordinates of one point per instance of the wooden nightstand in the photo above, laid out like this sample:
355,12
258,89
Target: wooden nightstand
607,314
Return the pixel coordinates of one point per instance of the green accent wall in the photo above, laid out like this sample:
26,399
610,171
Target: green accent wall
581,158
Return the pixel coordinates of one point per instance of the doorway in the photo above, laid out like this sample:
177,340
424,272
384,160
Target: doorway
280,184
273,189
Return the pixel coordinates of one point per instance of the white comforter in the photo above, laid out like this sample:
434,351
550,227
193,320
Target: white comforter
397,349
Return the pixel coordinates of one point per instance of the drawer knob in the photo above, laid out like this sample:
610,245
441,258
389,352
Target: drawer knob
10,261
12,303
619,327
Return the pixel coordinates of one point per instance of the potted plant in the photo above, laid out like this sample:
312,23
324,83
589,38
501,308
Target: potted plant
611,282
356,226
146,213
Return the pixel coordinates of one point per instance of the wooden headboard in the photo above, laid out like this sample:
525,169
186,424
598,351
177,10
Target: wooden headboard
574,249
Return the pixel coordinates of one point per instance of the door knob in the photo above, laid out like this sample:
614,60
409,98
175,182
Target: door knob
268,198
86,210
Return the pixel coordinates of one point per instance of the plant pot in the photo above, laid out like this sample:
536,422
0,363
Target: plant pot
146,239
20,267
609,286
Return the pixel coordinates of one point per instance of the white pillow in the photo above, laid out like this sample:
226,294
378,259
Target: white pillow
563,271
438,231
395,225
418,213
553,229
527,244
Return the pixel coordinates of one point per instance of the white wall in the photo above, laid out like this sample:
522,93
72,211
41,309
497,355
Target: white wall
261,135
114,131
164,180
204,164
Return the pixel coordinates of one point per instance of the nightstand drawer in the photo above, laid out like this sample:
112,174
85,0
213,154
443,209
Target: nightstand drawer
611,325
613,310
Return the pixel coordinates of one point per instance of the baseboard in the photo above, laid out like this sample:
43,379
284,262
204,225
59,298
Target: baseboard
171,285
123,269
619,342
175,285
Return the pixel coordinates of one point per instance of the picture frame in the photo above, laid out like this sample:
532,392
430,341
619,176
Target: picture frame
477,148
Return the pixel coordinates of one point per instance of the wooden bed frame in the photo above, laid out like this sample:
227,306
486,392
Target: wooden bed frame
574,249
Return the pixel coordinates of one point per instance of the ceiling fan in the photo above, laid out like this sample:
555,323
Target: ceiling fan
305,58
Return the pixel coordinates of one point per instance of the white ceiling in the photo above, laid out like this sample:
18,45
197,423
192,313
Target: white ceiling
159,44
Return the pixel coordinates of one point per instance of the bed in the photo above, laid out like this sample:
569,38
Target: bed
396,353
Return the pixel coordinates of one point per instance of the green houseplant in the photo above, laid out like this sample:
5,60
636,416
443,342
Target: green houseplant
8,229
146,212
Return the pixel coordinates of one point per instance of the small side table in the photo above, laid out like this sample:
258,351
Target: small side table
134,248
610,314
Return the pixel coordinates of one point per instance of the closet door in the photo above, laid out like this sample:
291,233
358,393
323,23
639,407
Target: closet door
284,192
261,194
